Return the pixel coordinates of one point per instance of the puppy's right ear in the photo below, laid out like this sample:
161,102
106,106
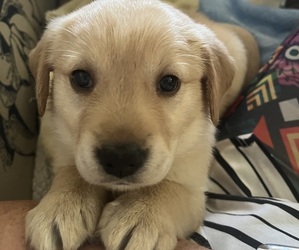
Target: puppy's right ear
218,66
40,66
219,73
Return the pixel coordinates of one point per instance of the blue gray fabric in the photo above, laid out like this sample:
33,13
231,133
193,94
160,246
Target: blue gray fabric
269,25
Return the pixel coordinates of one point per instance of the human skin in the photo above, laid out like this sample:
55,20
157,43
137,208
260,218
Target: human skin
12,219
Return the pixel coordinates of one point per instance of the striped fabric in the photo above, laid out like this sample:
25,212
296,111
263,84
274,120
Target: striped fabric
253,192
246,169
241,211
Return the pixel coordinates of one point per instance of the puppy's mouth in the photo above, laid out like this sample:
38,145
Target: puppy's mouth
123,185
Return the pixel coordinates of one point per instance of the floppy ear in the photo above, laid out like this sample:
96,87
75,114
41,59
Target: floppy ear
40,66
218,76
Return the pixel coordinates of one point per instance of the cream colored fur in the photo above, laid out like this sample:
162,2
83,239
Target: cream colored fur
184,5
126,45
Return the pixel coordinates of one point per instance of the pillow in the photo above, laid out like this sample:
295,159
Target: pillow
20,27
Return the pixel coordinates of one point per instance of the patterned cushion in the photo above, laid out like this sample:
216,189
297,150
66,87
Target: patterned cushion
21,23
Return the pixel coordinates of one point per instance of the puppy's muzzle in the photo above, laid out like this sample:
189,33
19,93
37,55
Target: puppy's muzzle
121,160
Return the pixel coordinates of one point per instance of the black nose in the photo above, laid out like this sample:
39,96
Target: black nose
121,160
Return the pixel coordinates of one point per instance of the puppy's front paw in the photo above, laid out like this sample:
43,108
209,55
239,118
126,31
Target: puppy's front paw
52,14
62,218
131,223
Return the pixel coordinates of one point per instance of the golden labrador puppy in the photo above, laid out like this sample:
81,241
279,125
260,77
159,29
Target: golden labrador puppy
129,121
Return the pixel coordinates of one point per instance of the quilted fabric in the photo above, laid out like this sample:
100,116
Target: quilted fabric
21,23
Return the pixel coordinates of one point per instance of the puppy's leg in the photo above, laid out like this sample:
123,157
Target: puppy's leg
246,54
151,218
68,213
185,6
251,50
66,8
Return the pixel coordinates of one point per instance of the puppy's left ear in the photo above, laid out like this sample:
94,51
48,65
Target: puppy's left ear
218,76
40,66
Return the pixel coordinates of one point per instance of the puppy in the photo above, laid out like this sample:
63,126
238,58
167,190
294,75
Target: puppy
129,121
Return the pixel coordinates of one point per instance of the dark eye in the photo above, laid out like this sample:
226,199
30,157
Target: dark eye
169,84
81,79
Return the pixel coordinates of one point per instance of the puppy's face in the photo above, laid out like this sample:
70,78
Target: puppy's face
135,87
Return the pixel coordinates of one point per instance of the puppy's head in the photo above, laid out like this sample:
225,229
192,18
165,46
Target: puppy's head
137,84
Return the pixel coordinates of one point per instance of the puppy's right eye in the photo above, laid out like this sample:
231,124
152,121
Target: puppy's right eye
169,84
81,79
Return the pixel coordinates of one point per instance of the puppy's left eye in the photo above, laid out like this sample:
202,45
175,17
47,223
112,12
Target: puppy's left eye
169,84
81,79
